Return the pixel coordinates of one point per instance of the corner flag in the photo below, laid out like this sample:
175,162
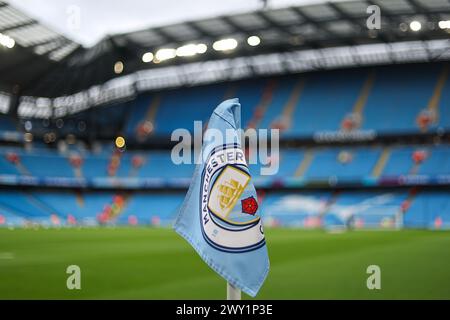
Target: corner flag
220,216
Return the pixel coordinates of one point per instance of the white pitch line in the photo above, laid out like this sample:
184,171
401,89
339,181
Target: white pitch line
6,255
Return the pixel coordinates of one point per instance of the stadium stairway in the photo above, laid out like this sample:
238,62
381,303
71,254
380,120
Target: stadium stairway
398,96
78,172
6,167
415,166
25,206
150,115
381,162
358,107
402,161
134,170
435,99
438,160
325,99
407,203
283,120
136,113
329,203
159,209
428,210
41,204
305,163
266,99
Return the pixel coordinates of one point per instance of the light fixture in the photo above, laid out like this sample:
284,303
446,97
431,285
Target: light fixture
253,41
444,24
7,41
165,54
147,57
118,67
415,25
187,50
403,27
225,44
201,48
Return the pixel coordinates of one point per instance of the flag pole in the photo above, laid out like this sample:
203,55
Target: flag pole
233,293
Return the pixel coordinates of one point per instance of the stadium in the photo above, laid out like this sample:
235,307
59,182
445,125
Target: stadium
363,113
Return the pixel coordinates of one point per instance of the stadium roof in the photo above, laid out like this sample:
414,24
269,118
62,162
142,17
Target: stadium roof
49,66
35,49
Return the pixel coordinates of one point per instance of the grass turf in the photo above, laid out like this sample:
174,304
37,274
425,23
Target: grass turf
145,263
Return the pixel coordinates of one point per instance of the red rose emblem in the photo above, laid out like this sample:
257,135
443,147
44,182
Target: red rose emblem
249,205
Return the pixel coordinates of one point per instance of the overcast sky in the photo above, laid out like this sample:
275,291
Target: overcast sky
100,17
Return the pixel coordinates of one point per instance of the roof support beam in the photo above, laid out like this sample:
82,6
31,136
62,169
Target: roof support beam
168,38
345,16
203,33
273,24
233,25
318,25
387,37
19,26
59,39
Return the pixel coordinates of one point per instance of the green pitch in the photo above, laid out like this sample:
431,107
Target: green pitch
145,263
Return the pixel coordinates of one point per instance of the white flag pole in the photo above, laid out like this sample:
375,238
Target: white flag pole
233,293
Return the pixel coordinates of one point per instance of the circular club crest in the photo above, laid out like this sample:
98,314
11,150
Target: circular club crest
228,207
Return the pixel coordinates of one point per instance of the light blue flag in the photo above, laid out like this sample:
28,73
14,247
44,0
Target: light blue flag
220,216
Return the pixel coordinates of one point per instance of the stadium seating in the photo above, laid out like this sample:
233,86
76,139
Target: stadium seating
346,163
361,209
326,163
325,100
366,209
38,206
429,210
389,104
155,209
25,206
385,99
398,96
47,165
6,167
426,210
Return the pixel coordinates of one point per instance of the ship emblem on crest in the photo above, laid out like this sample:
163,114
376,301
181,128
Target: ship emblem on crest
230,191
229,209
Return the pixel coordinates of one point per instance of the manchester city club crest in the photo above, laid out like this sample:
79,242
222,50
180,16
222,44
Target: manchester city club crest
229,209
